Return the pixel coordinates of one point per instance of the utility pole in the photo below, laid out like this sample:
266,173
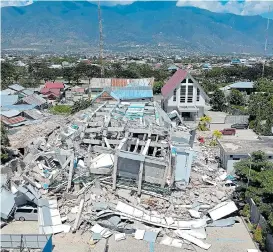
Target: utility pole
101,41
266,40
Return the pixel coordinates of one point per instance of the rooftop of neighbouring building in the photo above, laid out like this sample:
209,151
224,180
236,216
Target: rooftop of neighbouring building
237,146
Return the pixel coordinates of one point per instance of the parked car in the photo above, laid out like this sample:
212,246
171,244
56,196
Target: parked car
230,184
239,126
27,213
228,131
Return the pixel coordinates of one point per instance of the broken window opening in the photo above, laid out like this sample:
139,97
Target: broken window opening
174,95
150,151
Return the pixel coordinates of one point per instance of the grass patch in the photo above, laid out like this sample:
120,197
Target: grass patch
61,110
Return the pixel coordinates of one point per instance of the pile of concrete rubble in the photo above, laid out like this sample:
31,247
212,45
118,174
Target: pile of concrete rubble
122,170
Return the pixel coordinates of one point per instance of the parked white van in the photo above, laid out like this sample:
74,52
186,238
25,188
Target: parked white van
27,213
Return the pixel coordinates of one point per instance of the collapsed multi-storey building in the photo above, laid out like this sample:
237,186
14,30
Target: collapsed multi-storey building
139,141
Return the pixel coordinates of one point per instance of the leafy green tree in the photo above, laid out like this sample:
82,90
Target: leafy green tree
236,97
92,71
4,136
264,85
7,73
218,100
157,87
257,173
68,73
80,105
209,86
260,109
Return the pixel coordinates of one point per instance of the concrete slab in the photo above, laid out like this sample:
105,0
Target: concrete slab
227,239
240,133
216,117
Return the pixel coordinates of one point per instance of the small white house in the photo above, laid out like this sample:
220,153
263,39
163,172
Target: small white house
184,94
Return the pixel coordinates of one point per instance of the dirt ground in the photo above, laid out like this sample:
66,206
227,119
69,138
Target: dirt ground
228,239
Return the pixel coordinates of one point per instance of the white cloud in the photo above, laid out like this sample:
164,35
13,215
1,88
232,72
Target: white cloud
248,7
15,3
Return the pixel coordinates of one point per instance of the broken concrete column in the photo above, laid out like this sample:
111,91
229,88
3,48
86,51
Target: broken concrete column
146,148
115,170
70,175
78,217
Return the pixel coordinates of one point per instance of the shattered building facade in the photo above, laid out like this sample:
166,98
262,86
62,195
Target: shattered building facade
138,137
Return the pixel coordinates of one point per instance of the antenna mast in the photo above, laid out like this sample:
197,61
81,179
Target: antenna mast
266,40
101,41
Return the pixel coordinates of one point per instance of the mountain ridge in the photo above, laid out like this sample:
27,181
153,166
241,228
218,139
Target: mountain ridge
60,25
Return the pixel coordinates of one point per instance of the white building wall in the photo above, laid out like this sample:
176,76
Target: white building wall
177,103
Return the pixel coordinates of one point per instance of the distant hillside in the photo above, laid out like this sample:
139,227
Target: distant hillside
71,25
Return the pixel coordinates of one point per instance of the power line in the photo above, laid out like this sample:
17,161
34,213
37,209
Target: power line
266,40
101,41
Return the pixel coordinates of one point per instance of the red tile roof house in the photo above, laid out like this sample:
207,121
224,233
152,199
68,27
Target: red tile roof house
184,94
51,94
53,90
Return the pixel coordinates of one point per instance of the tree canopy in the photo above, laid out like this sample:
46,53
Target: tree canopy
259,171
260,107
218,100
236,97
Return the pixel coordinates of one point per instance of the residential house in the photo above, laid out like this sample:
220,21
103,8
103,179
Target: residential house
235,62
12,118
173,68
184,94
129,93
97,85
56,66
38,101
33,114
16,87
7,91
54,85
242,86
7,100
234,150
51,94
75,94
206,66
53,90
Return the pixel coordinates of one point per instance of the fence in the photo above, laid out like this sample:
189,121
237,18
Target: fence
231,119
30,241
258,219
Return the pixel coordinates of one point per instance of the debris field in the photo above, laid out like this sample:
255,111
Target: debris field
121,169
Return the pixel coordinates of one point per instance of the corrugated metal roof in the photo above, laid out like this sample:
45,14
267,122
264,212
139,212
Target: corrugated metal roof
16,87
20,107
119,82
34,99
7,91
100,82
242,84
10,113
78,90
37,89
13,120
173,67
130,93
8,99
34,114
58,85
172,83
28,92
